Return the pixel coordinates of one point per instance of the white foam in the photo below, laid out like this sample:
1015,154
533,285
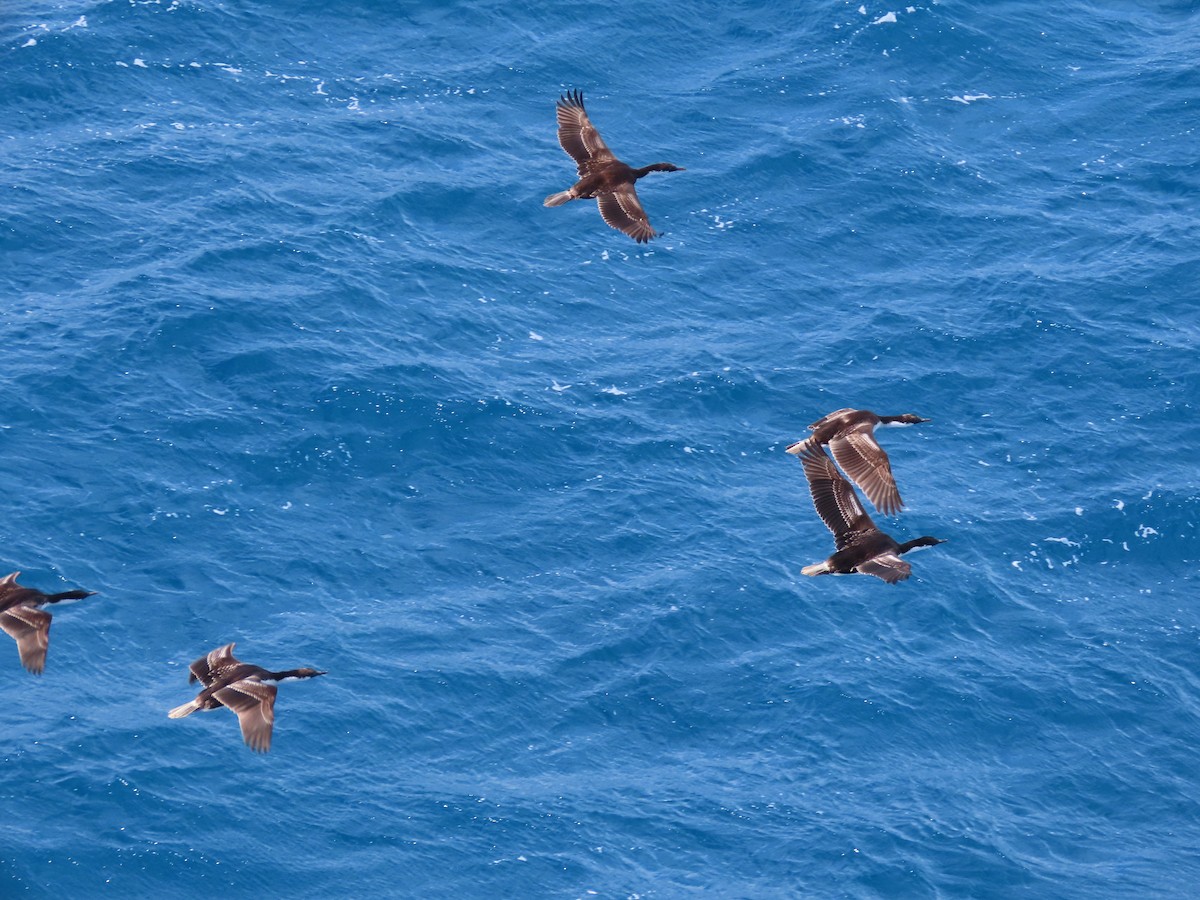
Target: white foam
614,390
30,43
554,385
1062,540
971,98
534,336
140,63
885,19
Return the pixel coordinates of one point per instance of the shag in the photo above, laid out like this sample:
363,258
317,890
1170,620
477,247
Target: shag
850,434
861,546
25,623
247,690
602,175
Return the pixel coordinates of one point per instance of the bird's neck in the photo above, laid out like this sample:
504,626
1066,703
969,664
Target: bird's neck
925,541
68,595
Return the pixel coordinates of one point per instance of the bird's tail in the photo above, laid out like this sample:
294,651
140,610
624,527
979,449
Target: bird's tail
185,710
557,199
821,568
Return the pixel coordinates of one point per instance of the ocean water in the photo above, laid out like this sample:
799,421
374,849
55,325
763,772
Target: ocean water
295,357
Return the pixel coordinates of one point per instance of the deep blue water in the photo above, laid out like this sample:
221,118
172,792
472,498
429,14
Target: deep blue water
295,357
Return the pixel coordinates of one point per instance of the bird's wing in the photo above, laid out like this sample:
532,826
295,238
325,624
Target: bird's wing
623,211
888,566
203,669
833,497
868,466
30,628
578,135
254,703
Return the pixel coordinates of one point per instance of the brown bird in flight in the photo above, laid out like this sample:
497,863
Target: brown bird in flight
25,623
601,175
850,435
861,546
247,690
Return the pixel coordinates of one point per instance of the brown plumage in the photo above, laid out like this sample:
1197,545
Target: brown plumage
239,686
861,546
850,434
21,618
602,175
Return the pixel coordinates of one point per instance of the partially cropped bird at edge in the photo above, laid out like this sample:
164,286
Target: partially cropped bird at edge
601,175
850,435
246,689
25,623
861,546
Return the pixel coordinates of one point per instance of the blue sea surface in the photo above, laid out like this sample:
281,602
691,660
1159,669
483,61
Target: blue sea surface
295,357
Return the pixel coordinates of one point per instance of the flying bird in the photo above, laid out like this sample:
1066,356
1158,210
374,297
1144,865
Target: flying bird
861,546
25,623
850,435
247,690
601,175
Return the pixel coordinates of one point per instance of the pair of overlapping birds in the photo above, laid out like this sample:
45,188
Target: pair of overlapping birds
860,545
249,690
